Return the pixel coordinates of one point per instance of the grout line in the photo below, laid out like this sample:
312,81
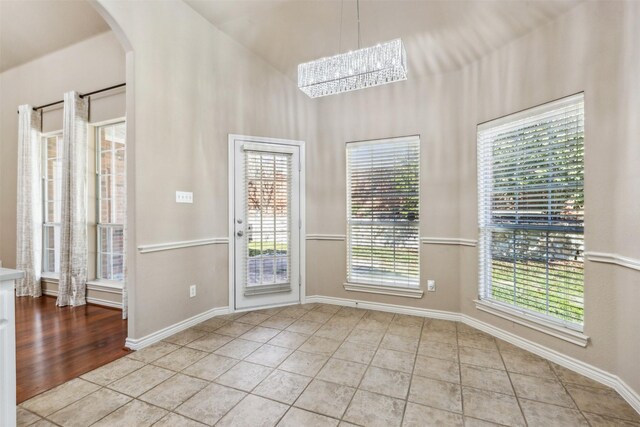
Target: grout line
413,368
515,394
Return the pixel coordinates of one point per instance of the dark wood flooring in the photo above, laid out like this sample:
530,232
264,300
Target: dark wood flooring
56,344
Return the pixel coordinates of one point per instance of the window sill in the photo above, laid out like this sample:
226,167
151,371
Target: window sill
100,285
533,322
385,290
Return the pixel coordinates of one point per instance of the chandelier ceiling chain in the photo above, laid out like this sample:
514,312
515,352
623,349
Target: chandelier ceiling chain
359,69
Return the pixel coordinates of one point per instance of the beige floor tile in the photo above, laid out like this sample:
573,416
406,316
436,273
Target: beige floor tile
374,410
174,391
57,398
372,325
238,348
180,359
490,406
244,376
423,416
270,311
134,413
317,316
602,402
475,422
302,363
338,321
231,316
356,313
333,332
89,409
543,415
409,331
342,372
328,308
380,316
210,404
325,398
527,364
175,420
153,352
387,382
185,337
363,336
288,339
254,411
541,389
486,379
434,393
269,355
400,343
354,352
293,311
568,376
480,357
603,421
320,345
277,322
440,325
234,329
477,340
43,423
141,380
210,367
445,337
113,371
407,320
25,418
298,417
437,369
304,326
282,386
209,342
211,324
260,334
253,318
438,350
394,360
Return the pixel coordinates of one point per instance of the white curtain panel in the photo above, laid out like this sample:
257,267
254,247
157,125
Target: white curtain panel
29,203
72,286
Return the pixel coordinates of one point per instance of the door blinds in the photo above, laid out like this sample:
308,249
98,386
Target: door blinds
383,212
531,211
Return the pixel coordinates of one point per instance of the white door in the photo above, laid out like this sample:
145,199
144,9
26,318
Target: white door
266,222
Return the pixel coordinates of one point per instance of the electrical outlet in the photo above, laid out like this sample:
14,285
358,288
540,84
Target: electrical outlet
184,197
192,291
431,285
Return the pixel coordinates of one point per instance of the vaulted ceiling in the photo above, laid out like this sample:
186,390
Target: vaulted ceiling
439,35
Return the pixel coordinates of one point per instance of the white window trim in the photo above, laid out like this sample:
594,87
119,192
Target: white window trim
101,285
398,291
530,320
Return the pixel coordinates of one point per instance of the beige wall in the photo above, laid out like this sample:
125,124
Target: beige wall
92,64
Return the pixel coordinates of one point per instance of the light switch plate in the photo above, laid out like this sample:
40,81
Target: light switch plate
431,285
184,197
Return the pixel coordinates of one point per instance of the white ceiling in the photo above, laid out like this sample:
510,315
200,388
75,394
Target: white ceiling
32,28
439,35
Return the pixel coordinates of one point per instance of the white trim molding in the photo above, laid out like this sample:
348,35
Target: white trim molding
616,259
334,237
533,322
384,290
152,338
448,241
145,249
90,300
589,371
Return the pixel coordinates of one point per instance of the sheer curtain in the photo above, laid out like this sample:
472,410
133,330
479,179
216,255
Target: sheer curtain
29,203
73,260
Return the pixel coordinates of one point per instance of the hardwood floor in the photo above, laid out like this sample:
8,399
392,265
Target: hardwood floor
56,344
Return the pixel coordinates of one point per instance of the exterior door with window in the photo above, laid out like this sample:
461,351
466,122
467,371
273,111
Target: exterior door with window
266,222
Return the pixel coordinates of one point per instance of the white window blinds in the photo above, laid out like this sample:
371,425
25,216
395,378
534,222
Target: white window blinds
531,211
383,196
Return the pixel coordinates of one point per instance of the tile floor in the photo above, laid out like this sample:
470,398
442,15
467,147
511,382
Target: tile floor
325,365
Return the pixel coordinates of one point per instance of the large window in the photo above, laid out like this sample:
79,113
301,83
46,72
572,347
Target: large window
52,167
383,212
531,211
110,148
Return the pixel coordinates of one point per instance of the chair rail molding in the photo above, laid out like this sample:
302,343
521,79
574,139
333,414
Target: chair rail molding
157,247
334,237
610,258
448,241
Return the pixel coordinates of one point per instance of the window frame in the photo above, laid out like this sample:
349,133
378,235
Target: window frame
384,288
556,326
44,157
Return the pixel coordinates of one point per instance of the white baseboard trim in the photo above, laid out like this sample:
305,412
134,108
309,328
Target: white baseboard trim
589,371
616,259
145,249
152,338
91,300
448,241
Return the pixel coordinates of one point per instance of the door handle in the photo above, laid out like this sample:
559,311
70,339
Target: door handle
240,233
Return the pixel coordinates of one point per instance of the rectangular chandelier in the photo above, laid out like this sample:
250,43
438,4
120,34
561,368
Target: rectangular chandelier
359,69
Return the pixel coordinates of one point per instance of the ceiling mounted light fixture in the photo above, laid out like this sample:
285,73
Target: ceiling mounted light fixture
359,69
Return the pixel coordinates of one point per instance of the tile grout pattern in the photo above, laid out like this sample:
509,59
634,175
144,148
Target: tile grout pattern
316,365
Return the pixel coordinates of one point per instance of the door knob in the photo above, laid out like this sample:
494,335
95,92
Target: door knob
240,233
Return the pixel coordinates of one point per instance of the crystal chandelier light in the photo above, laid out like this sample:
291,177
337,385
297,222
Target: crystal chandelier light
359,69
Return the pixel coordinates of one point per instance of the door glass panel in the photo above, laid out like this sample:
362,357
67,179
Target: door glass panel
268,201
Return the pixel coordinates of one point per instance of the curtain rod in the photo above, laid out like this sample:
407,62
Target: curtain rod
82,95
